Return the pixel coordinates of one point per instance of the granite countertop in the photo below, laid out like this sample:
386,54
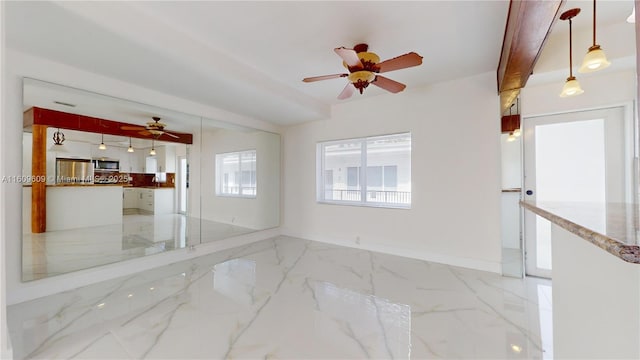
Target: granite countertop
613,227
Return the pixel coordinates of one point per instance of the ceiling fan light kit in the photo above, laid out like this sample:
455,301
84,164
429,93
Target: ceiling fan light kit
364,67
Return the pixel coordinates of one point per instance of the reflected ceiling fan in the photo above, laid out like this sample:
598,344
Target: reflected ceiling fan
154,128
364,68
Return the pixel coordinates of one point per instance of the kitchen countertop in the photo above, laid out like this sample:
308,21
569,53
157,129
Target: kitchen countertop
612,227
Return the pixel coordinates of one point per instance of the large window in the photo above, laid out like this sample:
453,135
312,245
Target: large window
236,174
386,180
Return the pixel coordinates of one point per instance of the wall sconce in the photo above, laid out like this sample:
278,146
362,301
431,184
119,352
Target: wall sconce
58,139
571,86
595,59
130,149
102,146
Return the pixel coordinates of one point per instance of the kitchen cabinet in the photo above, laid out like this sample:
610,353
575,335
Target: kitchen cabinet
151,165
153,201
130,198
166,158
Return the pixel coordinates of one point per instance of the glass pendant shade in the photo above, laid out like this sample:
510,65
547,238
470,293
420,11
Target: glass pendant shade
511,137
517,132
571,88
152,152
594,60
130,149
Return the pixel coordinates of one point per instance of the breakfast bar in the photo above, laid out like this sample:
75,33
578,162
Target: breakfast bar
596,278
73,206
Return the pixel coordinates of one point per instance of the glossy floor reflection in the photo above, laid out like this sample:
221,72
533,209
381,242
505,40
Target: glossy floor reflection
295,299
58,252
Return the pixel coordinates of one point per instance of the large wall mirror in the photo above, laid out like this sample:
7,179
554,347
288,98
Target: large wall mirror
107,179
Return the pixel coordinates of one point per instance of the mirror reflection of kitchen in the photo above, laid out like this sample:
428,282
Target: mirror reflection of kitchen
110,181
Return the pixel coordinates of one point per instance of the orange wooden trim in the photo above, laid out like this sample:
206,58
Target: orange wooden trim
70,121
39,171
27,118
528,26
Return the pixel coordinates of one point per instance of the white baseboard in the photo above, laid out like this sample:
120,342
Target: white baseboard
476,264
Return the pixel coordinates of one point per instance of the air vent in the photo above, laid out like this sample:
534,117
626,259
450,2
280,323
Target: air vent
64,103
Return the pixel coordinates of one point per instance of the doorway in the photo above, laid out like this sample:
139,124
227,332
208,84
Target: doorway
182,185
578,157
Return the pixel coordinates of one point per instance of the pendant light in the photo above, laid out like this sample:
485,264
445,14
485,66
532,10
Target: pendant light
153,149
102,146
130,149
595,59
571,86
512,135
517,132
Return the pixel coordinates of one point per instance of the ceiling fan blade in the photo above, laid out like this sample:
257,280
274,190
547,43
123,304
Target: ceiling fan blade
144,132
133,128
400,62
347,92
324,77
170,134
388,84
349,56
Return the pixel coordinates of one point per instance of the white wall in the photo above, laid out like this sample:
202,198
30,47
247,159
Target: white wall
254,213
20,65
455,212
601,89
5,351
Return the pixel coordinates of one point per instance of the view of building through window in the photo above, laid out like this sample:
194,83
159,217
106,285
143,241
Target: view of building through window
386,181
236,173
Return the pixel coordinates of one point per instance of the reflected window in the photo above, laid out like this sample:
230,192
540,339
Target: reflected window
236,174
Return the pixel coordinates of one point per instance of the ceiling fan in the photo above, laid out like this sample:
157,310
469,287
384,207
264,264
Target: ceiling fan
154,128
364,68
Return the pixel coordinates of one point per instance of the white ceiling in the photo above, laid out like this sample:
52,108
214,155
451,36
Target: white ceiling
250,57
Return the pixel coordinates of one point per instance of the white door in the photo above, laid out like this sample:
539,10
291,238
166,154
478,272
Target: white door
582,157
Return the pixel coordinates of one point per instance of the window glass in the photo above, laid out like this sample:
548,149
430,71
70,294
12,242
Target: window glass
387,160
236,174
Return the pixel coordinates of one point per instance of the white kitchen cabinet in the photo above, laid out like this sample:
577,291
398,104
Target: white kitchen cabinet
154,201
145,200
151,165
166,158
163,201
130,196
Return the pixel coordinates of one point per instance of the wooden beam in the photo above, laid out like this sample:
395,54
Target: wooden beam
529,24
70,121
39,183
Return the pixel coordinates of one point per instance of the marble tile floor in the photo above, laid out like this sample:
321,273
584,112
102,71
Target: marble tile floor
291,299
58,252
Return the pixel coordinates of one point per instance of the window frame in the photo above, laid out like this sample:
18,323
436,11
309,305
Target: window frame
362,173
219,181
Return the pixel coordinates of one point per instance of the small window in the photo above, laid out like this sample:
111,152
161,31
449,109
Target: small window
236,174
385,180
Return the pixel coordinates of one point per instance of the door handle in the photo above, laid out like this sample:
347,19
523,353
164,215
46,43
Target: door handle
529,192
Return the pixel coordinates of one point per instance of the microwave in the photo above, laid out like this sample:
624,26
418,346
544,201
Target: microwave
104,164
